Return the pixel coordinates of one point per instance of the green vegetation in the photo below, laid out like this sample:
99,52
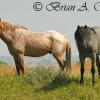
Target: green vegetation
47,84
2,62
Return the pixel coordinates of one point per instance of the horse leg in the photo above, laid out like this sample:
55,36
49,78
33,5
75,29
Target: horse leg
19,63
17,66
93,68
82,60
60,61
98,65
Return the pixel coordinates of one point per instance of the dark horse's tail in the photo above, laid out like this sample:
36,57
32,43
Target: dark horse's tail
68,58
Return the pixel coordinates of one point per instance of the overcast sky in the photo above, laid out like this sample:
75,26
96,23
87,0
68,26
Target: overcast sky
22,12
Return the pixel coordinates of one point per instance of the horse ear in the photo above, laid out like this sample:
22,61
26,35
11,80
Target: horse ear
85,26
0,19
78,26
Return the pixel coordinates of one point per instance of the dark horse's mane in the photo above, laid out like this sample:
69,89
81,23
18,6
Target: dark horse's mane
7,26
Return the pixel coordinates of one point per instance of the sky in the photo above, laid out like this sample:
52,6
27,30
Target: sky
65,22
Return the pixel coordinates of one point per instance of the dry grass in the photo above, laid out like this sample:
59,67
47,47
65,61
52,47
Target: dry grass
44,83
76,68
7,70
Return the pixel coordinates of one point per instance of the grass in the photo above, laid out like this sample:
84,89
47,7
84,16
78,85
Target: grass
6,70
41,83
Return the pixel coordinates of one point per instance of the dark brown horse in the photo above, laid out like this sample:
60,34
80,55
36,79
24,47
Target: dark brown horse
22,42
88,42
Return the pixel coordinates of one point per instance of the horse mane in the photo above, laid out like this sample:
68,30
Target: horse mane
21,26
5,26
94,29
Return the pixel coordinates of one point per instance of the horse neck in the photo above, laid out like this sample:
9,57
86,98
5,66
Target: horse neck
6,37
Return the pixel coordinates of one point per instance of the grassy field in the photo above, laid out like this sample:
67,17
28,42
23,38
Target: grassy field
42,83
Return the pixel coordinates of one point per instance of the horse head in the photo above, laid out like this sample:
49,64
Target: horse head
81,30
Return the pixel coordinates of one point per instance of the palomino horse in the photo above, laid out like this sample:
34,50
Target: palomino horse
22,42
88,42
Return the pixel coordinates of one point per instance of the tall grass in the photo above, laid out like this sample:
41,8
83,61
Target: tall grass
6,70
47,83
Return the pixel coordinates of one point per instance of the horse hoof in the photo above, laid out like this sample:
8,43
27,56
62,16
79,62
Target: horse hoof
62,69
94,83
81,82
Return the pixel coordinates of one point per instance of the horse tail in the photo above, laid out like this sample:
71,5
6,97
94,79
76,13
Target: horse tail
68,58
